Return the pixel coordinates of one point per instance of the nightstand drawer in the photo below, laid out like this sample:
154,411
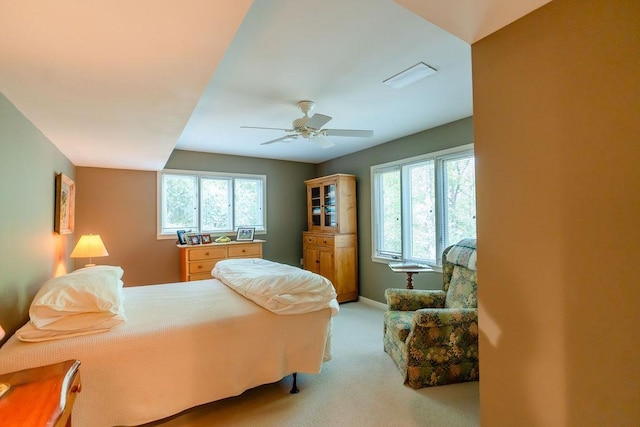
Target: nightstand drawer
244,251
207,253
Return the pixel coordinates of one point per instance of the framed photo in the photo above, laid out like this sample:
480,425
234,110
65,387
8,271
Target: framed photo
182,237
245,234
65,204
194,239
205,238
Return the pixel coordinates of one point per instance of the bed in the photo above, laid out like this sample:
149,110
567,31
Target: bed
182,345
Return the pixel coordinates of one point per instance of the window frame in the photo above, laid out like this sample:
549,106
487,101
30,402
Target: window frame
438,158
199,175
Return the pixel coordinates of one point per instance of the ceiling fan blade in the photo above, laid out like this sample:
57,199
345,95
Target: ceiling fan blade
258,127
322,141
317,121
287,138
349,132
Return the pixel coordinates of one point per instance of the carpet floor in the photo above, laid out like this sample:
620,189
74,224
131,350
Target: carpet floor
360,386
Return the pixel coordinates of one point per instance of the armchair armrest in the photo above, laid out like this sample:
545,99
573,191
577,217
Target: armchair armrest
413,299
455,317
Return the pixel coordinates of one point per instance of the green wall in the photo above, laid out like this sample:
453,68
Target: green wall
30,251
376,277
286,196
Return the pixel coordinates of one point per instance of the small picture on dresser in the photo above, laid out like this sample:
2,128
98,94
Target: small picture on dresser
194,239
182,238
245,234
205,238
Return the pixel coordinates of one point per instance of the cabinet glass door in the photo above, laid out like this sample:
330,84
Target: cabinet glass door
316,206
330,218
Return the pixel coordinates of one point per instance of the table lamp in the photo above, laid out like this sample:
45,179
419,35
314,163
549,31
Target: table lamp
89,246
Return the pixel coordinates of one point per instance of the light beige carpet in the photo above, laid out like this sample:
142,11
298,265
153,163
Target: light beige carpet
360,386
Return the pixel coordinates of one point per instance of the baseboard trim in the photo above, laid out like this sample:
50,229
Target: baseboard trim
372,303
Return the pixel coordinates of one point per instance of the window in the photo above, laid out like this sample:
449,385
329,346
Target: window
209,202
423,204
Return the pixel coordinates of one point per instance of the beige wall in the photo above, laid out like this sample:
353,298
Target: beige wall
120,206
557,140
30,251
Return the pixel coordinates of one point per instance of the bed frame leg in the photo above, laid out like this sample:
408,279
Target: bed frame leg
294,387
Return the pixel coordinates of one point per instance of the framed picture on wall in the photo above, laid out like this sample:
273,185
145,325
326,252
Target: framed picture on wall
245,234
65,209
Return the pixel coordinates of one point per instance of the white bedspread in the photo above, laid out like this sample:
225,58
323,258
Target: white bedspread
279,288
183,345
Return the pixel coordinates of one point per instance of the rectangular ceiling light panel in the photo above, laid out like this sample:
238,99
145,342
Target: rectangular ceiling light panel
410,75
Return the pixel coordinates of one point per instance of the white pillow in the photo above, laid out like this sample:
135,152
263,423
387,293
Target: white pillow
86,298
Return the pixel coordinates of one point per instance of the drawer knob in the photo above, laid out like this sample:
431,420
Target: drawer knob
206,253
324,241
76,388
244,250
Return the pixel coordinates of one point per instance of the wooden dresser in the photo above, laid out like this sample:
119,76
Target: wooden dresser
330,244
196,262
42,396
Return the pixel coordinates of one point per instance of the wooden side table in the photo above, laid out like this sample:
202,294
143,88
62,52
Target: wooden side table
42,396
410,269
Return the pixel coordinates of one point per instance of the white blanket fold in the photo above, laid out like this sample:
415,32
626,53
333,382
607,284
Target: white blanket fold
280,288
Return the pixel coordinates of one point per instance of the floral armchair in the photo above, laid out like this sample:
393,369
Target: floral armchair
432,336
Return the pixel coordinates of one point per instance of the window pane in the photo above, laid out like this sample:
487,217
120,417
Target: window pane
422,211
180,207
216,204
248,203
460,208
390,228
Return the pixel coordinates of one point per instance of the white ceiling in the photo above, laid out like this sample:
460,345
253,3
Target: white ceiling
120,83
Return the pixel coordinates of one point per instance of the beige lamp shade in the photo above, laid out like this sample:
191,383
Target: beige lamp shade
89,246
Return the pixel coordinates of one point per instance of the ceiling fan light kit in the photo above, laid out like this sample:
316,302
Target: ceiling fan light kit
311,128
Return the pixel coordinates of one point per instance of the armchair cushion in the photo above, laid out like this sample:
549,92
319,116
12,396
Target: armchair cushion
463,289
414,299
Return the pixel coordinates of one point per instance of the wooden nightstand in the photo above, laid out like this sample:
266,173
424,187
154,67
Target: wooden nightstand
40,396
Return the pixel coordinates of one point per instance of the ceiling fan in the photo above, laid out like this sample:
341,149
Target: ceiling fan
311,128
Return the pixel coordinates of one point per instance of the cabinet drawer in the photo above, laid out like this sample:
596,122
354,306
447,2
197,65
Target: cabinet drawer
207,253
201,267
324,240
200,276
309,240
244,251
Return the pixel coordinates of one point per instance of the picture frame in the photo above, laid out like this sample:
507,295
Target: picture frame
205,238
194,239
182,237
65,205
245,234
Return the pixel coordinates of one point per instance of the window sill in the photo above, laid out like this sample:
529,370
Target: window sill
435,267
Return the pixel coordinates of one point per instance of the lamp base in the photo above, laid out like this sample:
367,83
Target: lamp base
89,265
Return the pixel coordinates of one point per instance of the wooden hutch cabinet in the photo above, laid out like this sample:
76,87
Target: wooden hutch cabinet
330,245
